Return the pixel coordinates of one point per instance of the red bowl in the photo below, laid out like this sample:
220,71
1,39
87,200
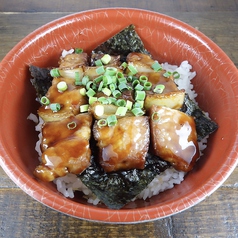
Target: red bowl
169,40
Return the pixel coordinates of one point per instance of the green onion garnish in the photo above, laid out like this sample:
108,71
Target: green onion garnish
111,100
78,51
45,101
99,110
107,79
91,100
112,120
121,111
147,86
107,91
100,87
98,79
106,59
103,100
121,102
90,92
124,65
98,62
85,80
132,69
111,71
156,66
71,125
77,79
54,73
122,80
138,104
139,87
112,87
135,82
140,95
143,79
176,75
129,104
116,93
55,107
102,122
89,84
62,86
82,91
167,74
155,116
137,111
122,87
100,70
159,88
84,108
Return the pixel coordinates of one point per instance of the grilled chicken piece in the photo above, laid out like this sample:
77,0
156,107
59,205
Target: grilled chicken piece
174,137
70,101
72,61
123,146
65,147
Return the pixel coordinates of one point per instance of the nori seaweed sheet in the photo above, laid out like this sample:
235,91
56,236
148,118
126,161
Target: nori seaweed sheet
116,189
123,43
204,125
41,80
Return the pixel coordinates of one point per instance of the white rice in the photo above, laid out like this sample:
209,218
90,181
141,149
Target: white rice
166,180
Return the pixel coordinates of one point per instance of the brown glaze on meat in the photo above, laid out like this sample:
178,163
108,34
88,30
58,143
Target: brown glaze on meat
65,150
174,137
125,145
72,61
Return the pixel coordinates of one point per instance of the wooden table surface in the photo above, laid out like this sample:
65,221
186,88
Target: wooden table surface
217,216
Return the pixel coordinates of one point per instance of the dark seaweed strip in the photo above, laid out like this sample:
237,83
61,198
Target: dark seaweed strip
117,189
204,125
41,80
123,43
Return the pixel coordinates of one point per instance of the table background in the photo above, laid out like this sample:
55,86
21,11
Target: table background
217,216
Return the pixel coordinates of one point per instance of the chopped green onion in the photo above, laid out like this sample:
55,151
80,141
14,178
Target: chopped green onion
78,50
112,87
111,71
71,125
124,65
107,91
84,108
135,82
77,79
54,73
103,100
156,66
112,120
106,59
137,111
82,91
55,107
139,87
89,84
176,75
130,78
121,102
122,80
116,93
147,86
102,122
100,87
122,86
129,104
85,80
99,110
107,79
62,86
91,100
120,75
167,74
139,104
111,100
98,62
155,116
140,95
45,101
159,88
90,93
143,79
121,111
100,70
98,79
132,69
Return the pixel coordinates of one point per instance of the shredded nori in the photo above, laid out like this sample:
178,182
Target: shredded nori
116,189
41,81
123,43
204,125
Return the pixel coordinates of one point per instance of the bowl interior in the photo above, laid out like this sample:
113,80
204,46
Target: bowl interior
168,40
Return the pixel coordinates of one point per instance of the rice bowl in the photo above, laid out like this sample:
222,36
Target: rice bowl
215,84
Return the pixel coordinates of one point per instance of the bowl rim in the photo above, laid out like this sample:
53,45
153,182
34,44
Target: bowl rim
102,215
